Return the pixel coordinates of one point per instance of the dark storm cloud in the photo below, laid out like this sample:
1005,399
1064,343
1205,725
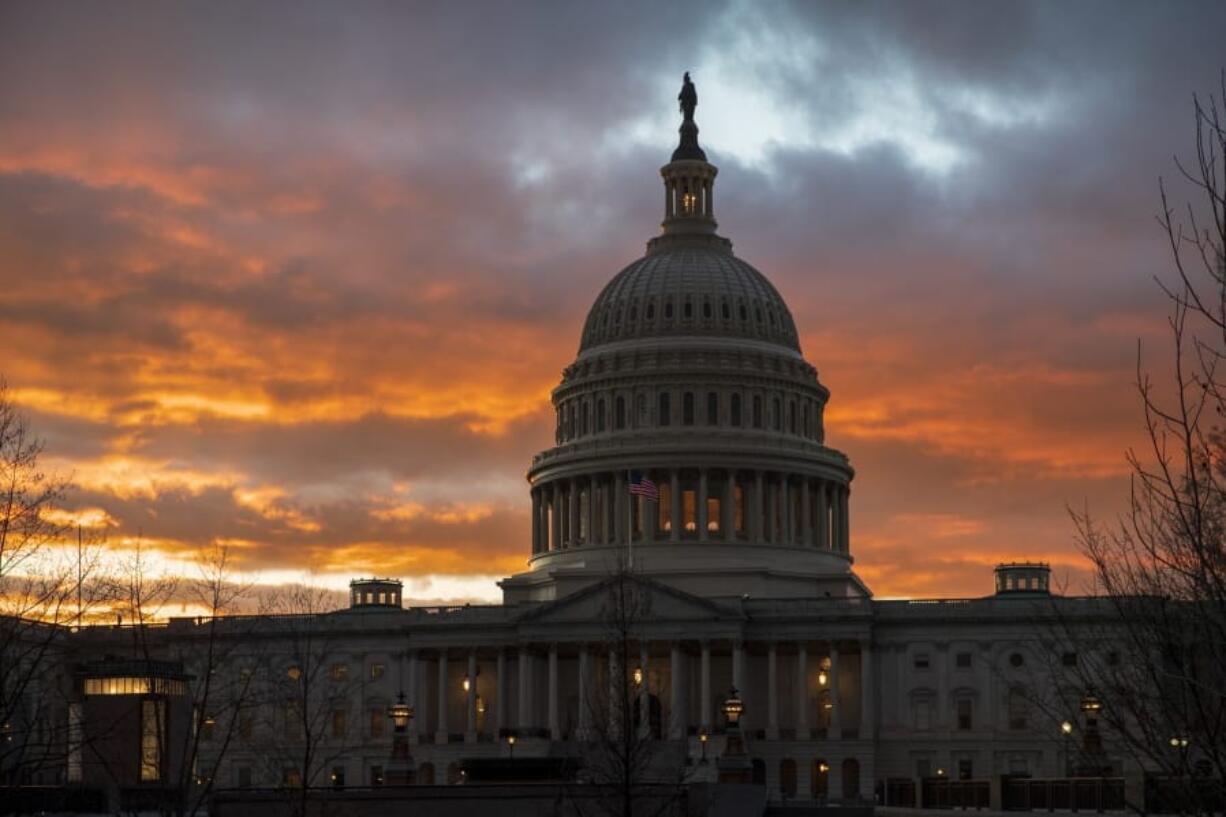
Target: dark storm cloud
303,251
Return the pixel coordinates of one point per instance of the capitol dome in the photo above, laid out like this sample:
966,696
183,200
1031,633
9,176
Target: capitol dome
690,437
688,288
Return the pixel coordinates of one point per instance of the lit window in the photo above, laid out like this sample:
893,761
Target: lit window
376,671
378,721
294,672
666,507
152,718
713,519
689,511
338,723
339,672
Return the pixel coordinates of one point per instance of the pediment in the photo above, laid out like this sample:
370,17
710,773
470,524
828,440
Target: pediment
645,600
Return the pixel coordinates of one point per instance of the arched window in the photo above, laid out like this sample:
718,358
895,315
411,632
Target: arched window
792,416
806,428
687,409
570,421
787,777
726,310
640,411
757,411
425,773
651,310
777,414
557,434
706,309
851,778
736,410
712,409
666,414
600,415
668,308
619,413
1019,708
744,313
585,412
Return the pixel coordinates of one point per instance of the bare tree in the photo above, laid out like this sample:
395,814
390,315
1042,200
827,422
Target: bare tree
307,693
1152,649
629,770
43,590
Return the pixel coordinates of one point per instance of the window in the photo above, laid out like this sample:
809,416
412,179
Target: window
757,411
338,777
1113,659
246,725
1069,659
713,517
736,410
706,309
962,660
921,660
619,413
665,504
207,726
712,409
966,769
338,723
376,671
339,672
1016,660
923,767
290,778
738,510
965,709
378,721
152,720
1019,709
293,672
689,511
599,416
244,777
668,309
687,409
640,404
585,413
792,416
777,415
689,309
923,714
666,414
376,776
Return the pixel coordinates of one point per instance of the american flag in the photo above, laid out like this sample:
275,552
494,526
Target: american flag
642,486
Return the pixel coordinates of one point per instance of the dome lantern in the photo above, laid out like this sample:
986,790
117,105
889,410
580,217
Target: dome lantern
689,179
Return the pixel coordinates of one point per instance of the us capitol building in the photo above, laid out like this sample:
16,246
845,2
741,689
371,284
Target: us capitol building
689,373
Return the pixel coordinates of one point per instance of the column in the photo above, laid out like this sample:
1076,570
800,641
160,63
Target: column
651,519
802,691
768,514
844,521
785,495
755,510
772,692
616,679
585,704
704,718
643,692
593,533
701,515
572,494
501,721
411,696
806,513
555,507
823,517
675,497
555,731
678,724
836,711
738,671
868,695
606,511
441,734
470,700
521,714
727,523
536,521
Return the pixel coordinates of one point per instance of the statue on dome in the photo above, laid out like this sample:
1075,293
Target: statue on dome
688,98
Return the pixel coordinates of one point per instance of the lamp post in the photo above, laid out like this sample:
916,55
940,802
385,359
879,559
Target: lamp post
734,764
1180,745
1091,706
1066,729
511,746
400,770
703,737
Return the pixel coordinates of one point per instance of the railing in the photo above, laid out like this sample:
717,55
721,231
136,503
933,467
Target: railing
1062,794
943,793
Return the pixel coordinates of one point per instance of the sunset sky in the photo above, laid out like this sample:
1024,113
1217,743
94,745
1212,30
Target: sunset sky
299,277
